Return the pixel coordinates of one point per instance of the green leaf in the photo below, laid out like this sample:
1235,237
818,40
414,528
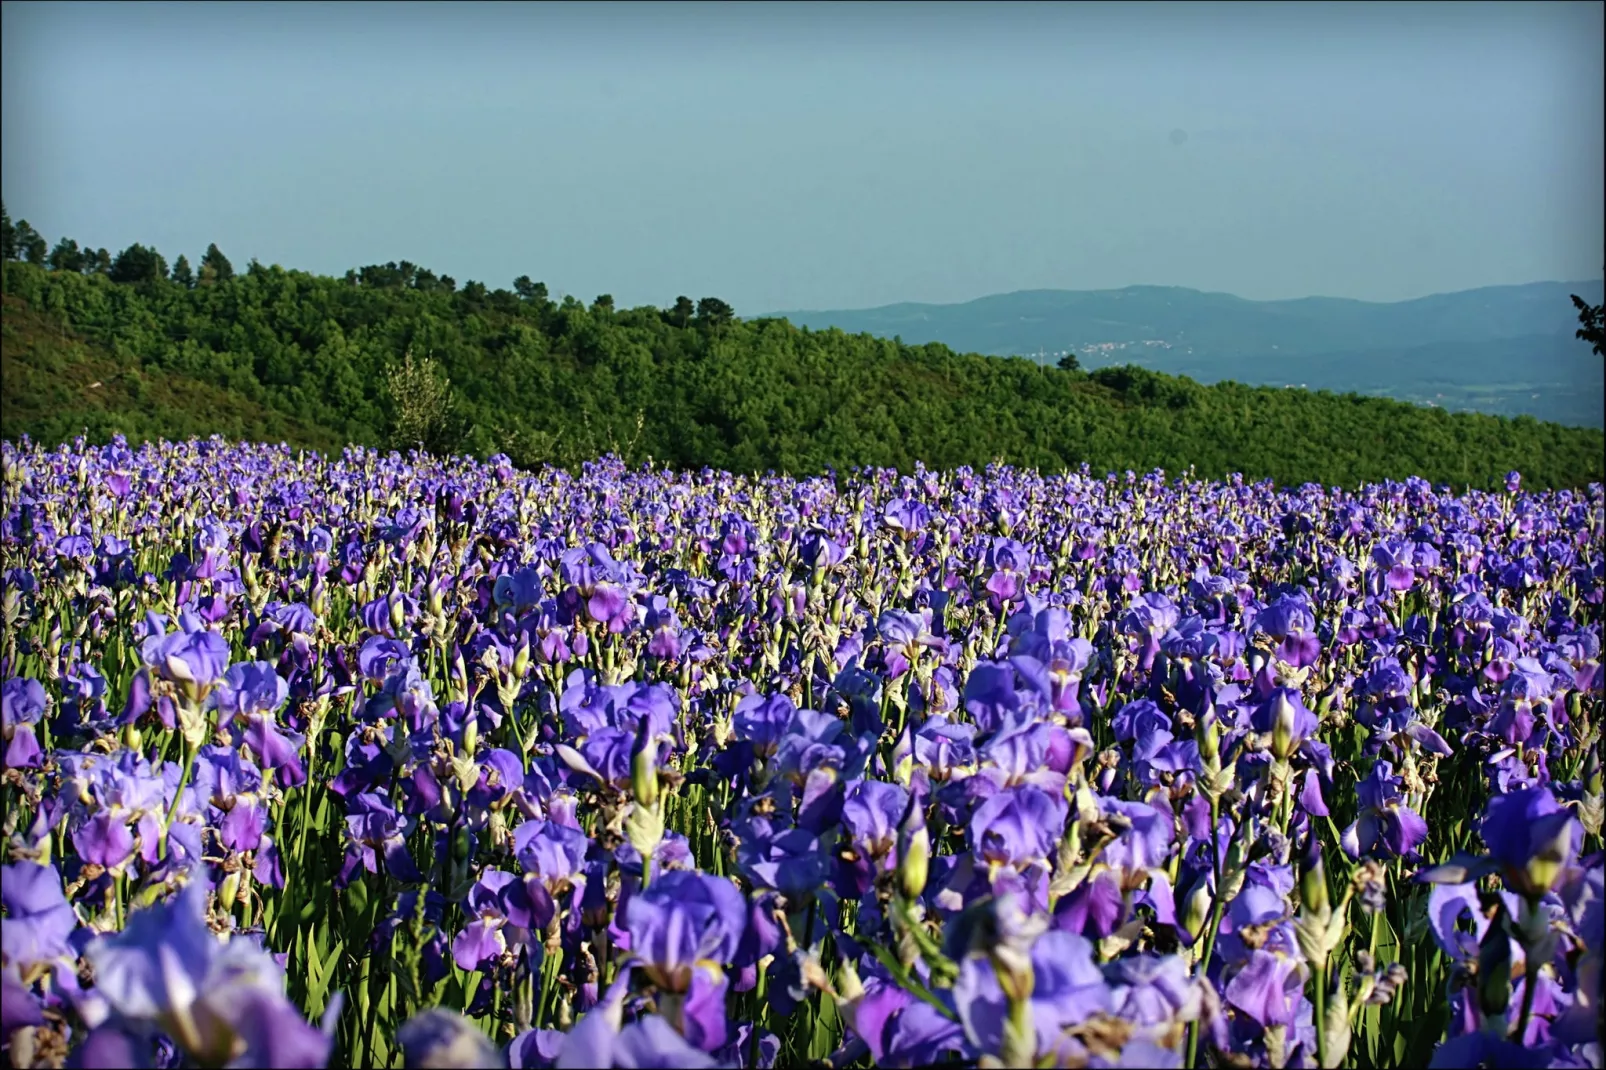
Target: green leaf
908,982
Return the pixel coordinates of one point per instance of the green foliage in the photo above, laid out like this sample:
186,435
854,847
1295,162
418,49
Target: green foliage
1593,319
691,385
66,256
56,386
425,409
23,242
215,267
137,264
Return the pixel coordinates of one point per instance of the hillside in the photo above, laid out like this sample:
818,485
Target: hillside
279,354
1508,350
56,386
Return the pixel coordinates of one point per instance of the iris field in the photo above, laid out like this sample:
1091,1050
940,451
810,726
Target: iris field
386,760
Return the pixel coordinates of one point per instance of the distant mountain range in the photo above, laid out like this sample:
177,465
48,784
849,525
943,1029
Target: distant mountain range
1508,350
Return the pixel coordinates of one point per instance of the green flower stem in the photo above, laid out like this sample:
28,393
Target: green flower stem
172,809
1321,1015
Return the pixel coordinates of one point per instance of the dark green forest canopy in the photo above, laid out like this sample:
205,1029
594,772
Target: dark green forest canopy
270,353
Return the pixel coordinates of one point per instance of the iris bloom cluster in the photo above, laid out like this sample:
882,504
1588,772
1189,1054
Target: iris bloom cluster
399,760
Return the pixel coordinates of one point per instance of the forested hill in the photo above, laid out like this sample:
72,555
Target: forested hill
393,355
1506,350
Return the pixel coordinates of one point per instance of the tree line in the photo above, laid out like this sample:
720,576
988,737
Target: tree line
397,355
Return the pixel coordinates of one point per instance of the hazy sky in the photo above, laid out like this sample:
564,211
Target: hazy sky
826,156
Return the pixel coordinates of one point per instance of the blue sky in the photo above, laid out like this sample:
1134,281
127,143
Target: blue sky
826,156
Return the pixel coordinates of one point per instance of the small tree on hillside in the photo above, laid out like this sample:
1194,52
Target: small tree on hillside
714,313
8,235
138,264
425,410
215,267
66,256
29,244
1593,318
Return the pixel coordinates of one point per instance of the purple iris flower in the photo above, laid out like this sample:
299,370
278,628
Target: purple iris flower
1385,827
1268,989
167,969
1532,838
816,741
497,900
906,517
1396,559
611,606
554,854
871,812
1018,826
990,695
22,705
105,840
1291,621
871,1013
518,590
1286,718
18,1007
681,919
1457,920
374,829
1142,723
904,635
762,720
1096,907
819,551
111,1045
1035,753
605,754
437,1037
649,1043
381,656
945,749
38,917
1151,990
391,615
195,657
1148,618
1067,988
1145,844
788,860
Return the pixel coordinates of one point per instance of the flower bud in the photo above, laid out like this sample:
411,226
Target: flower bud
1494,968
1313,879
462,845
229,891
644,770
521,660
1552,840
1208,733
1284,730
398,614
1196,903
914,852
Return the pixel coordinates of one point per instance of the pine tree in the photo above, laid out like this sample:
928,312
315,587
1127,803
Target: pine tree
215,267
66,256
8,235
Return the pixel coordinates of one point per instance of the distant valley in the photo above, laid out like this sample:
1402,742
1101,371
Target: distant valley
1507,350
